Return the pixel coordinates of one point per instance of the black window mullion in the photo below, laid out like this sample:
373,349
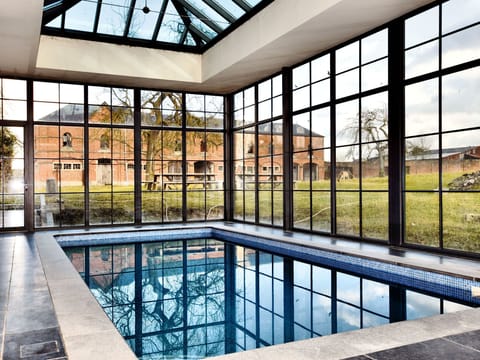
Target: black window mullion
440,128
129,18
287,149
138,169
29,155
86,156
396,132
333,146
256,157
184,160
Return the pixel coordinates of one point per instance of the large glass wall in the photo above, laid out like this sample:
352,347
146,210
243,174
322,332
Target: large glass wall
85,155
340,143
204,155
244,155
13,115
108,155
340,140
258,153
311,145
442,126
59,164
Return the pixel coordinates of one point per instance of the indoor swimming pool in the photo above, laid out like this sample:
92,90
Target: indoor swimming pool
199,293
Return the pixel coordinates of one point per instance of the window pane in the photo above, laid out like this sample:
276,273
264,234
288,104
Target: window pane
347,123
374,117
461,47
14,110
421,108
375,46
45,91
321,68
459,13
461,221
374,166
348,213
347,57
301,129
301,208
460,103
375,215
265,90
321,92
301,76
421,163
460,160
321,129
347,83
422,27
421,60
301,98
375,75
321,220
422,218
14,89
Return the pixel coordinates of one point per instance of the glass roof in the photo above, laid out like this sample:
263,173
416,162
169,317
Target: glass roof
187,25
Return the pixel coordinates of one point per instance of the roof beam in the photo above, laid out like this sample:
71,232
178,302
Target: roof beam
97,16
56,9
160,18
187,22
243,4
201,16
221,11
128,22
197,32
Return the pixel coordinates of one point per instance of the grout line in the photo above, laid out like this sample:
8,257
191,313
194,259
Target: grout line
462,345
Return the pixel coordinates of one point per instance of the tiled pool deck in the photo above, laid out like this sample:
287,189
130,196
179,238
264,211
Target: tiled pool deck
47,312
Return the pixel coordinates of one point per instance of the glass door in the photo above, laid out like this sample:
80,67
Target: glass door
12,177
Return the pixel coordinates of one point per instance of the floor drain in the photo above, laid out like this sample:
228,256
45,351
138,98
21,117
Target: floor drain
43,348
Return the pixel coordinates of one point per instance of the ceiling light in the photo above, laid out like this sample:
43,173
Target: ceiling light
146,9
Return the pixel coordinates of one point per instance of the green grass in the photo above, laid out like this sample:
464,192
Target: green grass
461,225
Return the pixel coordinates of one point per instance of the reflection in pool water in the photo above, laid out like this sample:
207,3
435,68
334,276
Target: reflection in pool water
205,297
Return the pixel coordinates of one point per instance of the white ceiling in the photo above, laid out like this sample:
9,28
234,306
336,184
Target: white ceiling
284,33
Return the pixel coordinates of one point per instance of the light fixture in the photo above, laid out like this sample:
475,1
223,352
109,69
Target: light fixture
146,9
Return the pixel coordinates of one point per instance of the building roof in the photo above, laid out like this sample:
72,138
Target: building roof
434,154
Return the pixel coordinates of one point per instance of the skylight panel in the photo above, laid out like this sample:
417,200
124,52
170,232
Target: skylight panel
253,2
209,13
55,23
113,17
143,24
81,16
233,8
172,28
189,25
202,26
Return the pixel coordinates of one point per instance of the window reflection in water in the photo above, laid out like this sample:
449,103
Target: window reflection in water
203,297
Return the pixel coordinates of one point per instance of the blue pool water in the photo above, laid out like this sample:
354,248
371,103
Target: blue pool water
194,298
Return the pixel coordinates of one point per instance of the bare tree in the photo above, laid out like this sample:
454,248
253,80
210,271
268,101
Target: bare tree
372,130
417,147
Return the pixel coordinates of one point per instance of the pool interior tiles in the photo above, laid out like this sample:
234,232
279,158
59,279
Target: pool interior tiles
419,276
68,292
